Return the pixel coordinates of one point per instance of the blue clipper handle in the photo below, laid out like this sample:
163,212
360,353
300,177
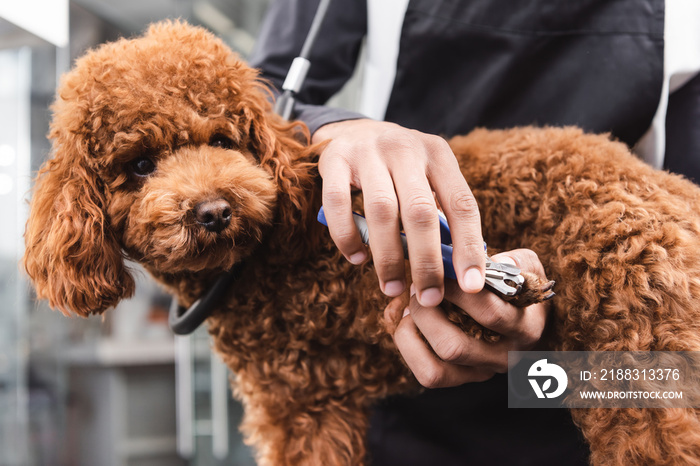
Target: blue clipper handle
447,261
445,238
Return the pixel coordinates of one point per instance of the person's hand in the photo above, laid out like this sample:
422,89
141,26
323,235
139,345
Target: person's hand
397,170
450,357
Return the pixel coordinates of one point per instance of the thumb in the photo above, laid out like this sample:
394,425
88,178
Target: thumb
394,312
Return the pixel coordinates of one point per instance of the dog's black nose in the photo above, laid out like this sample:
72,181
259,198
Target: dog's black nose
213,215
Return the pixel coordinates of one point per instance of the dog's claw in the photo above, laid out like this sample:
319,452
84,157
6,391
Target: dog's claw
549,285
549,296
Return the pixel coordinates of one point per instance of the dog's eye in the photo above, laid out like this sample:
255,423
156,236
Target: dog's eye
143,166
219,140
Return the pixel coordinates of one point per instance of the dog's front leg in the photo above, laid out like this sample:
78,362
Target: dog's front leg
314,429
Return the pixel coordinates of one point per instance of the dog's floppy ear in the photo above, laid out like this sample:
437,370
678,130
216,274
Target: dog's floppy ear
71,255
283,148
291,157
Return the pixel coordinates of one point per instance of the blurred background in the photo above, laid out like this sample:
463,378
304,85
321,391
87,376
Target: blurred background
118,389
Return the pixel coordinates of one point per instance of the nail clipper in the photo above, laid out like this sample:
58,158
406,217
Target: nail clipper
504,278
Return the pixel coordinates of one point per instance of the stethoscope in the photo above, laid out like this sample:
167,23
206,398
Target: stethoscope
185,321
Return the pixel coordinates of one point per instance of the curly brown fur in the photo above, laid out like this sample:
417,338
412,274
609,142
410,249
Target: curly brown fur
622,242
302,328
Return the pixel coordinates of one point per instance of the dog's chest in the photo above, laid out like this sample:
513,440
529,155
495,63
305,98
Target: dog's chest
323,301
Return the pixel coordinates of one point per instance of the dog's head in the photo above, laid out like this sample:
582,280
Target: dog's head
164,152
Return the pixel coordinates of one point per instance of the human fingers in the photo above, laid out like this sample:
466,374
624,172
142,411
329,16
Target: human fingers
525,259
462,212
382,214
337,202
524,326
452,345
363,150
419,215
429,370
393,313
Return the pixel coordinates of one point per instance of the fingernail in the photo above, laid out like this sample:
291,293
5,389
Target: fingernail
473,281
412,289
430,297
394,288
358,258
405,313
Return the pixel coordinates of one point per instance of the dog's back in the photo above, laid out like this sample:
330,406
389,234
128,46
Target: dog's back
622,240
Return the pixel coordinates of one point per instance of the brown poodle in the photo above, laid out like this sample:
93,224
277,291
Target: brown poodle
166,153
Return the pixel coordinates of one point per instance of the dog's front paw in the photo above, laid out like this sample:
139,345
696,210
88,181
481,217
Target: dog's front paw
534,290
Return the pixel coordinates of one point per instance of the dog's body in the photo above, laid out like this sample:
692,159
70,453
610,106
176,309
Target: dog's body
166,152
